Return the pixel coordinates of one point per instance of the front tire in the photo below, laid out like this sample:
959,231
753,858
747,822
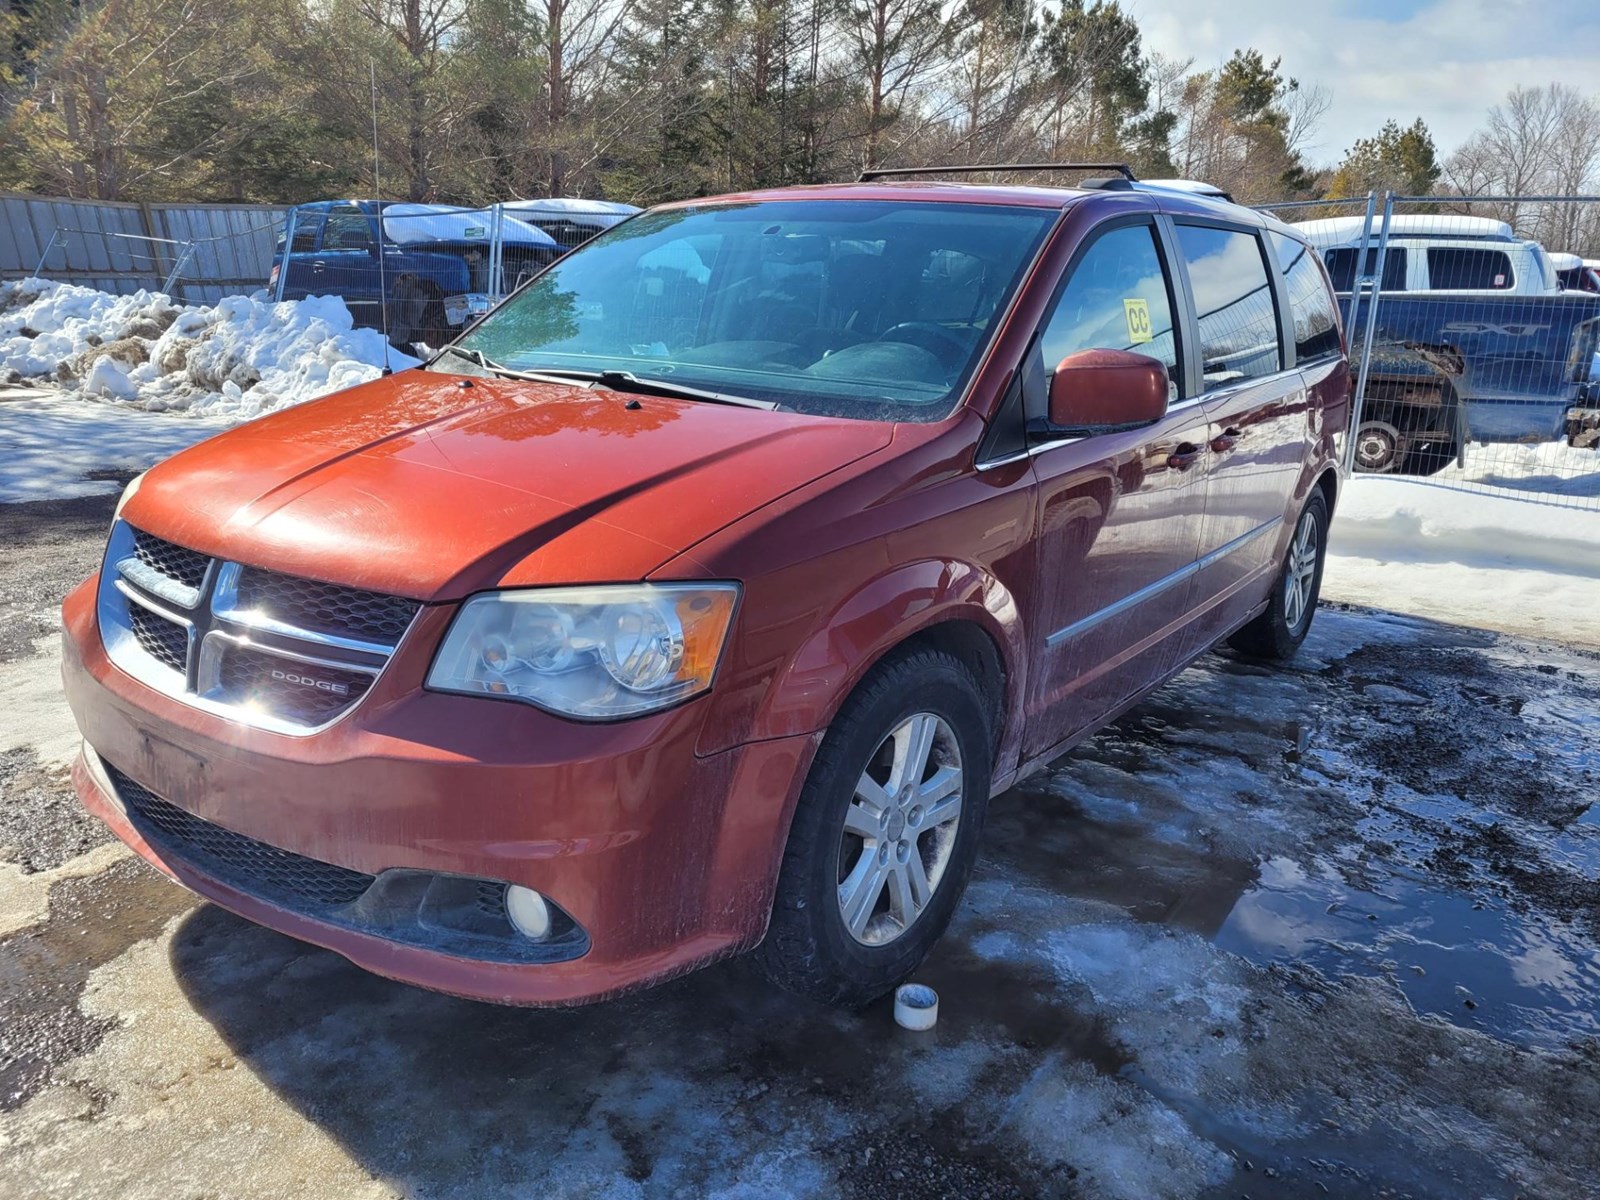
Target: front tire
1277,633
885,833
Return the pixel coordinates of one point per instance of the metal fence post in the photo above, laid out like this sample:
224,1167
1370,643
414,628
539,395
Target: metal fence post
1366,240
48,247
177,268
288,248
1373,300
496,252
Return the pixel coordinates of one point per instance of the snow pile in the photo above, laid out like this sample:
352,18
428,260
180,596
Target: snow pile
1548,468
239,359
1495,560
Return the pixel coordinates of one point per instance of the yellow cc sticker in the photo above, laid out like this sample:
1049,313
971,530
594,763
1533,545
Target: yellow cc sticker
1137,314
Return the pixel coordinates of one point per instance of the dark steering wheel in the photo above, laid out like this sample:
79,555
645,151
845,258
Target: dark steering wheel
949,348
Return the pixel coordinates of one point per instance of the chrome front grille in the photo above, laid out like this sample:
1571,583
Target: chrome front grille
325,607
184,567
271,650
163,640
265,679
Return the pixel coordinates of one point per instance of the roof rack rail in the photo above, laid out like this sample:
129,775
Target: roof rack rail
887,172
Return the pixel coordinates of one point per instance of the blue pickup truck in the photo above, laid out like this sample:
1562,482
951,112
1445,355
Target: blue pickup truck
1475,340
434,272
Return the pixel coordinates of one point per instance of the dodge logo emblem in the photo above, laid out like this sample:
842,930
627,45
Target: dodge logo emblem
322,685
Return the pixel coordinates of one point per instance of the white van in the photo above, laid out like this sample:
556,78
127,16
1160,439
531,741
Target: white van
1436,253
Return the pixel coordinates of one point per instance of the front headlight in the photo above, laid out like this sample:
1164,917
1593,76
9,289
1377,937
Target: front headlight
590,652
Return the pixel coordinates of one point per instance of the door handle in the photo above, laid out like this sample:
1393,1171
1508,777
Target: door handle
1225,441
318,266
1184,457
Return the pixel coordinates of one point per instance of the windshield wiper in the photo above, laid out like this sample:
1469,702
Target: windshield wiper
479,359
627,381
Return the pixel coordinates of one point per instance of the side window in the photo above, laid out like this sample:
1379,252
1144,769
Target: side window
1311,304
347,229
307,225
1342,266
1233,304
1118,298
1452,268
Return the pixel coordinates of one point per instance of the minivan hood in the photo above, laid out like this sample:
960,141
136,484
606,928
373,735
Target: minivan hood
433,486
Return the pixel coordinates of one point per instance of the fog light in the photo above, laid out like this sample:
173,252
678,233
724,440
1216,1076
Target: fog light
528,911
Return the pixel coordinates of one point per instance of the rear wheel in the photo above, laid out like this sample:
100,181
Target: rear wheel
1379,447
1277,633
884,835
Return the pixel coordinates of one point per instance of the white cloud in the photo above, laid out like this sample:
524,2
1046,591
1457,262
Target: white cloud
1446,61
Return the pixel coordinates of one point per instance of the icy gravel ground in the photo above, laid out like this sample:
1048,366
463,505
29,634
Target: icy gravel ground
1329,930
240,358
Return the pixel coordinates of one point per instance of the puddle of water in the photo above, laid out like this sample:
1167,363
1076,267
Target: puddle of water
1473,963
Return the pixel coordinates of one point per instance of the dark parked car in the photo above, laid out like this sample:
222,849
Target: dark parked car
698,599
1476,339
434,273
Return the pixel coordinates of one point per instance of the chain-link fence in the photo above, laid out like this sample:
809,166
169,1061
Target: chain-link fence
1474,326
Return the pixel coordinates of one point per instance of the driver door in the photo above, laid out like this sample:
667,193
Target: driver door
1120,512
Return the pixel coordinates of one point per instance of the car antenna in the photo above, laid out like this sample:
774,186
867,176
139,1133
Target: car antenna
377,201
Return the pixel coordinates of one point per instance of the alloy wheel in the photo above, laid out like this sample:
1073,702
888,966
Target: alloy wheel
1301,573
900,829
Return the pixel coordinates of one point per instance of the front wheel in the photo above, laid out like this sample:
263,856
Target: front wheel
1277,633
884,835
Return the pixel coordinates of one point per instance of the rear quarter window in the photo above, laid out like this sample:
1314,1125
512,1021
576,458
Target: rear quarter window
1311,304
1342,267
1452,268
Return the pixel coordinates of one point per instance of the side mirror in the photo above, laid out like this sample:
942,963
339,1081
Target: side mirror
1107,389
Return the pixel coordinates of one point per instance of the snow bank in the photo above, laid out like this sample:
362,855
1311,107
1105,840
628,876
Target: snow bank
1496,560
239,359
1548,469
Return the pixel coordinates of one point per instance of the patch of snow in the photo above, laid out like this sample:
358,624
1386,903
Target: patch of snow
420,224
237,359
1496,559
50,447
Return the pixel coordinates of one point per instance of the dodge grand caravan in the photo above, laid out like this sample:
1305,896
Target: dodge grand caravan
698,599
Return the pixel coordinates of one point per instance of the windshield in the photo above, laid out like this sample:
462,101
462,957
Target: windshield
870,309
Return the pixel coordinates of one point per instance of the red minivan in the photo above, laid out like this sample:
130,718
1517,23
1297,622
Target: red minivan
699,598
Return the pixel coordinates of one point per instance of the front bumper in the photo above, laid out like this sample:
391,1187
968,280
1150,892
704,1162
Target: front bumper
663,859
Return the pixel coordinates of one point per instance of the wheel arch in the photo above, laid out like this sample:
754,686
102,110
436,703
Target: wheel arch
1328,484
950,605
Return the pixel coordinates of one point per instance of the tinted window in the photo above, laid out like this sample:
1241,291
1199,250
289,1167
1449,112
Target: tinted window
1452,268
307,225
1117,298
1233,304
871,309
1342,267
347,229
1311,305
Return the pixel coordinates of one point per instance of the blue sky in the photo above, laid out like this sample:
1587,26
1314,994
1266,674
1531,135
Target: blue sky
1446,61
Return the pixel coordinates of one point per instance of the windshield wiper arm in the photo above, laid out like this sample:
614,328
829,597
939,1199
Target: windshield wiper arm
627,381
479,359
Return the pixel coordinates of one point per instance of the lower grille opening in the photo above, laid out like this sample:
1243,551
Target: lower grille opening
239,860
455,914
